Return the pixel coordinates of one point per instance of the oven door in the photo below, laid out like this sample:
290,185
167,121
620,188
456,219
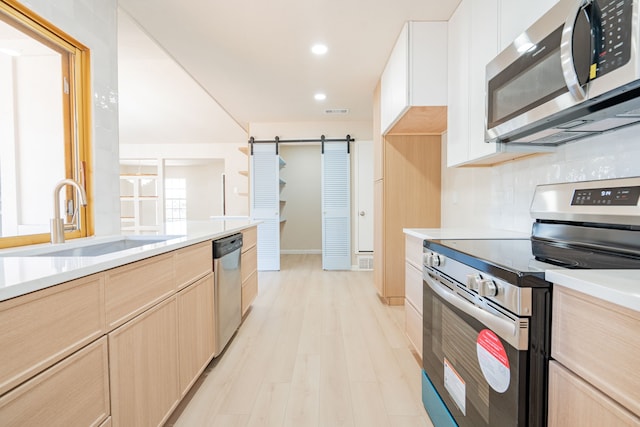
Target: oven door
472,357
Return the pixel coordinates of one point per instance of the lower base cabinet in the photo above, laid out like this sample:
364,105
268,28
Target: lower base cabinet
196,331
594,377
100,352
73,392
249,268
143,356
413,292
573,402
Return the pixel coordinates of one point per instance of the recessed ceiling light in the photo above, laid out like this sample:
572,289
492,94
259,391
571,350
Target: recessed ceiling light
320,96
319,49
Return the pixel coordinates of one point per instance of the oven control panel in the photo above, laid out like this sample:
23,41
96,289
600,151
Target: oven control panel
617,196
477,287
485,287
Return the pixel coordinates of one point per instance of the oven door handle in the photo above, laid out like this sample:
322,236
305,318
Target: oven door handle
505,329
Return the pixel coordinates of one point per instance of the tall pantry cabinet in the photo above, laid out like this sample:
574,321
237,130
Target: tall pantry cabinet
407,148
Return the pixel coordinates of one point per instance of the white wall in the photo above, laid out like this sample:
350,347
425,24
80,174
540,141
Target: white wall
93,23
362,130
302,233
204,188
500,197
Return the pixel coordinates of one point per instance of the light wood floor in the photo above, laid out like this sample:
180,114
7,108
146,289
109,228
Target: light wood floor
317,349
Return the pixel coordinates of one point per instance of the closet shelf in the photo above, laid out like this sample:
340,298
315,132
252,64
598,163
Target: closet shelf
244,150
244,173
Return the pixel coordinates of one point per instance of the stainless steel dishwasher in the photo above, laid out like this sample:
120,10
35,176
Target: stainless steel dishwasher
227,289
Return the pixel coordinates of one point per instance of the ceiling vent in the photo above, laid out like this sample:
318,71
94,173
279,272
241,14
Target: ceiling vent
337,111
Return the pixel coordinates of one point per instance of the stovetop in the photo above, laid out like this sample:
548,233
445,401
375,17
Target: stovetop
510,259
524,261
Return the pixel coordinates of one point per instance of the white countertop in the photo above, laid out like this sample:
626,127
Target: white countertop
464,233
621,287
20,275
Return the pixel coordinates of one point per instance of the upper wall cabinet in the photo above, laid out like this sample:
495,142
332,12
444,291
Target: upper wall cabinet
413,95
474,33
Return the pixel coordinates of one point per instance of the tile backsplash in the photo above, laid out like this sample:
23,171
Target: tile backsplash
500,196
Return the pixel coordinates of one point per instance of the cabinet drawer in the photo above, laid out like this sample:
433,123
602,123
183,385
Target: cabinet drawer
249,238
573,402
413,250
41,328
413,327
249,262
133,288
413,286
74,392
193,263
600,342
249,291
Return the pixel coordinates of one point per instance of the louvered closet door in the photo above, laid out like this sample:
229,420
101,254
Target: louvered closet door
265,204
336,207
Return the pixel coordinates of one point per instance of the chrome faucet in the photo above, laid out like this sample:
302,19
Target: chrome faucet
57,223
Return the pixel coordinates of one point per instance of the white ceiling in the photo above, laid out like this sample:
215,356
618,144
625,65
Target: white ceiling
253,56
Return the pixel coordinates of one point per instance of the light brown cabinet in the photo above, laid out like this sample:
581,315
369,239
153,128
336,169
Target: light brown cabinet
407,197
41,328
193,263
133,288
574,402
73,392
595,345
406,194
143,367
248,267
196,330
120,348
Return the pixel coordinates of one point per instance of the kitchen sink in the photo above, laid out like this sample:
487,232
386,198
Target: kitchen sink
72,249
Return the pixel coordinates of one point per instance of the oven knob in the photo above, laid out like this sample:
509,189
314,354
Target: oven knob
472,281
426,259
435,260
487,288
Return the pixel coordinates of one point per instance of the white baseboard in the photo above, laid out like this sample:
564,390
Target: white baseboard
301,252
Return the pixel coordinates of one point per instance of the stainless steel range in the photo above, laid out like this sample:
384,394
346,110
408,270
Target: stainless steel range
487,306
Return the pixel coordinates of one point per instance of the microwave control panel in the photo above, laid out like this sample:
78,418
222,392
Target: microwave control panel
616,19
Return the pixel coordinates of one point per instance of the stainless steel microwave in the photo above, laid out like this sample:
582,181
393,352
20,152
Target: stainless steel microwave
574,73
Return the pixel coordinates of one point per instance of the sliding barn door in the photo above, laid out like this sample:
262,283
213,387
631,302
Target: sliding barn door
336,206
265,204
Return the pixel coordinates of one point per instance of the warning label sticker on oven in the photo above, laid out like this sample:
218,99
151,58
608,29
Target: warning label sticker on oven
455,385
493,360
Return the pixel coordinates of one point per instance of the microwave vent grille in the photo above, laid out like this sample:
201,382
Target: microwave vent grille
632,113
